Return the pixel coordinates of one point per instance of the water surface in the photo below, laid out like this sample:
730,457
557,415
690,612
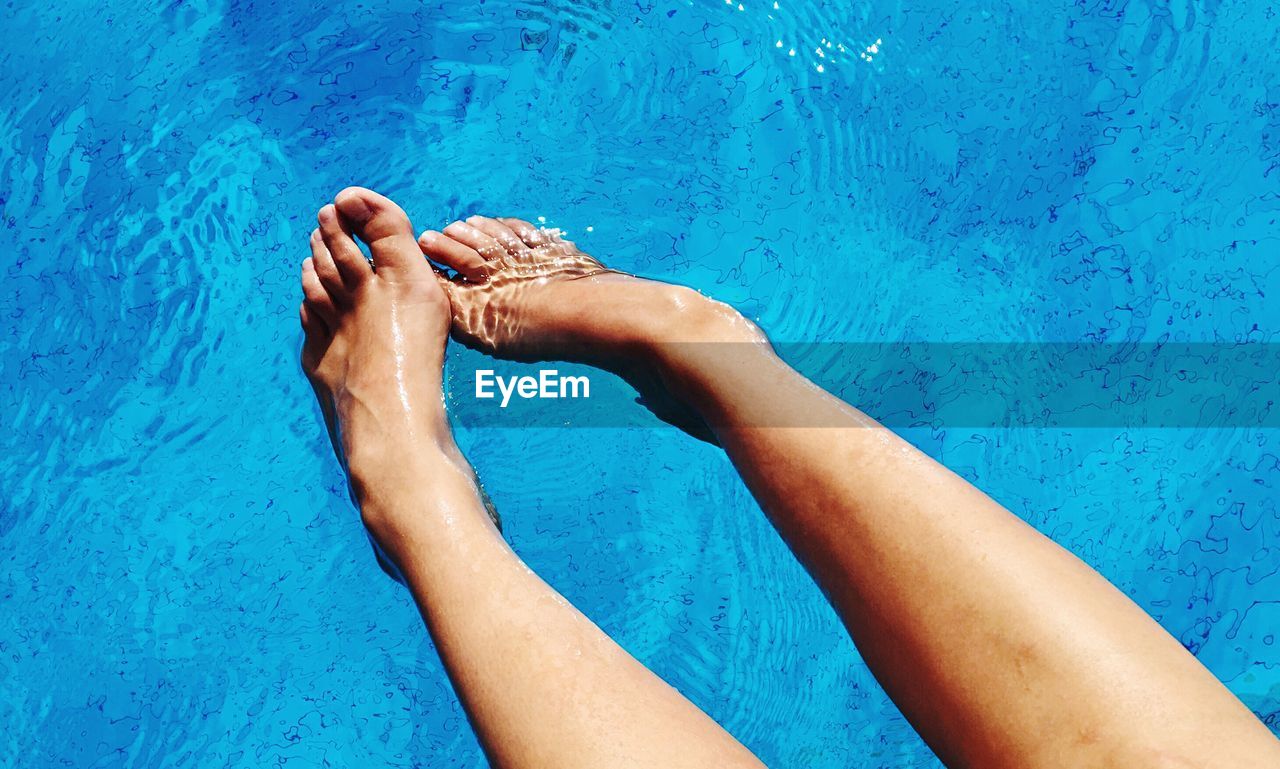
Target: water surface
183,581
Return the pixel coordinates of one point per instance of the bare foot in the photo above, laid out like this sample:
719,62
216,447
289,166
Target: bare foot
526,293
375,341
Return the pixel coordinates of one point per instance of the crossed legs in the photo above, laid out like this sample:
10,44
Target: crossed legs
1000,647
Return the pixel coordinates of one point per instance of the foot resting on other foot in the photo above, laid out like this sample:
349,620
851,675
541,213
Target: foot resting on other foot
525,293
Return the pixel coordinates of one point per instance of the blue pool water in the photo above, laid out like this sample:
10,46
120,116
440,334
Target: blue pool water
182,580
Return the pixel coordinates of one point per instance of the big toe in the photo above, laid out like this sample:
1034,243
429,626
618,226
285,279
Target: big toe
385,227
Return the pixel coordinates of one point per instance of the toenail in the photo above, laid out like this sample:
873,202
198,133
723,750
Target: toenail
353,201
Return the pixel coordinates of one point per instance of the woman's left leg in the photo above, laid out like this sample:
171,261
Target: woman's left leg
542,685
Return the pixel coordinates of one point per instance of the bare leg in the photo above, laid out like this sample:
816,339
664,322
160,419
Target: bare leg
542,685
1003,649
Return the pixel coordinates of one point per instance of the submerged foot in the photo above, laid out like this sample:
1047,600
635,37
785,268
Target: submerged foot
526,293
376,331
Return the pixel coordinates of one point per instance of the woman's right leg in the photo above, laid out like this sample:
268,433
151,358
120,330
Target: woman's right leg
1003,649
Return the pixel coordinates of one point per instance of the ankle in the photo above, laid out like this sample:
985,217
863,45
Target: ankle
684,325
391,446
396,495
712,347
666,315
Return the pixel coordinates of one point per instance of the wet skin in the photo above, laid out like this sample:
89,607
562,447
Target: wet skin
1001,648
542,685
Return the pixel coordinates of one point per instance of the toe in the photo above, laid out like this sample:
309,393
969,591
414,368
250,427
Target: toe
312,325
317,297
532,236
481,242
351,263
461,258
322,262
500,232
385,227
